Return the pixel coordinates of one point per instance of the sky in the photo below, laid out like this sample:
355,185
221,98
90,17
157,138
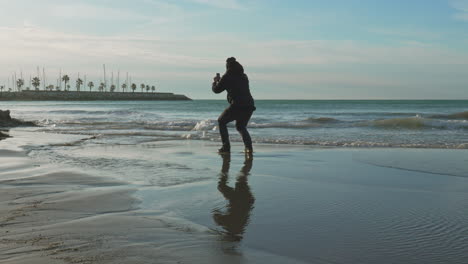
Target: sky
296,49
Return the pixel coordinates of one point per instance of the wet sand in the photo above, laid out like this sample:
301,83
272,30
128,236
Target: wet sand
287,204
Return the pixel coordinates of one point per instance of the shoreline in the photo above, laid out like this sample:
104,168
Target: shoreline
412,126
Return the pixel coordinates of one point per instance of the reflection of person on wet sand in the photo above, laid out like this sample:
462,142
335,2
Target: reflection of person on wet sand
240,200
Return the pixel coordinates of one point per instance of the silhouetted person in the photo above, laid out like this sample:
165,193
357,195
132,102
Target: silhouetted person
240,200
242,104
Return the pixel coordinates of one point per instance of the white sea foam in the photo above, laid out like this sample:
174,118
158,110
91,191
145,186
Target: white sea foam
204,125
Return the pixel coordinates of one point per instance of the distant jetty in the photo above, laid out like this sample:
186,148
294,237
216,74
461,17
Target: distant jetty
108,90
89,96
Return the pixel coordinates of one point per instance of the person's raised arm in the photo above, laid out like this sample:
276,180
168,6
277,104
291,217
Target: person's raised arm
219,85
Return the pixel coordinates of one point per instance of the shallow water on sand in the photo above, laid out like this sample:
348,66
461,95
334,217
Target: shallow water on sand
298,202
321,206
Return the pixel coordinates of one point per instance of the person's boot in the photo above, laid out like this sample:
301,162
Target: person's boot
224,149
248,150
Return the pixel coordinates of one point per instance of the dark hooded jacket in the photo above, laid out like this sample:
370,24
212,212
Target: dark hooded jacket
236,83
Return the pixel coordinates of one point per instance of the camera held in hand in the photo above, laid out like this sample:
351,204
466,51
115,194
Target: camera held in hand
217,78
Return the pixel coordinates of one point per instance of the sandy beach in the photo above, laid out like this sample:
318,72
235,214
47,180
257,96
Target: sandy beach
287,204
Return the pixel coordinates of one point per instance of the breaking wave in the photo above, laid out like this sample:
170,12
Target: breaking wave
322,120
460,115
98,112
418,122
409,123
311,122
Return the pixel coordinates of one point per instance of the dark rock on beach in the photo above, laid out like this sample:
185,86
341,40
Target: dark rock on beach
7,121
3,135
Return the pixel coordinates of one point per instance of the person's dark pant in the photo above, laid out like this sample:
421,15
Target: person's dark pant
242,118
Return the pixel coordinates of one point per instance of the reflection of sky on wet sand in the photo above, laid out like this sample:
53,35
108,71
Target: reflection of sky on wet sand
325,204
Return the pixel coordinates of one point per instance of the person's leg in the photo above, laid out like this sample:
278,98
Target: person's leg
226,117
241,126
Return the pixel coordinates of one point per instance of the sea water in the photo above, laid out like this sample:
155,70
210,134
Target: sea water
371,123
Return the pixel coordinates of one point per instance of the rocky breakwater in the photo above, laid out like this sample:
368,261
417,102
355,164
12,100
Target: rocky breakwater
89,96
6,122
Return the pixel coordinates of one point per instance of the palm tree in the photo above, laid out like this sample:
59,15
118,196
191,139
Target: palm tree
142,86
57,88
79,82
153,88
148,88
36,82
101,87
1,88
50,87
19,84
65,79
90,85
133,87
124,86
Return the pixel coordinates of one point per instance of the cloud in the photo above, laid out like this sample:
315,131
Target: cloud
322,79
94,12
462,9
209,51
278,61
226,4
461,16
32,45
99,17
406,33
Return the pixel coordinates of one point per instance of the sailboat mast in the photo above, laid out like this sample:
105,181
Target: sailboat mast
38,74
118,79
43,79
105,81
